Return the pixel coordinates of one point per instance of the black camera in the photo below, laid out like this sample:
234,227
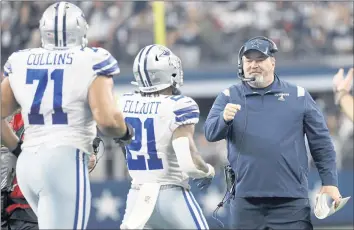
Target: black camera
230,179
96,144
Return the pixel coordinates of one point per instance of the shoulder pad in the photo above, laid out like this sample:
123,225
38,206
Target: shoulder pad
24,50
103,63
7,67
186,111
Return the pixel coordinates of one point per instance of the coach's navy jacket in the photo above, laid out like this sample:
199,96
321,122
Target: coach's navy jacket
265,141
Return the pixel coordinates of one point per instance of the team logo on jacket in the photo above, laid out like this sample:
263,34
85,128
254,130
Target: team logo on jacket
281,96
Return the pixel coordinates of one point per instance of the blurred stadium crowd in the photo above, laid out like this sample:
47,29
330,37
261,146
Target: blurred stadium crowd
202,33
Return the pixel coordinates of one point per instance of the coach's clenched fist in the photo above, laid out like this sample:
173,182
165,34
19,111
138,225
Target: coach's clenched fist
230,111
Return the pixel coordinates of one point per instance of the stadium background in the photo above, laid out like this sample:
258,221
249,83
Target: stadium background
314,39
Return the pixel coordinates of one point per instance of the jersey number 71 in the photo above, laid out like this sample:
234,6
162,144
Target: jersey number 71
153,162
41,75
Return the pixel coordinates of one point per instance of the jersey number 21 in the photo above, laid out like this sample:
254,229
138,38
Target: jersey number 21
153,163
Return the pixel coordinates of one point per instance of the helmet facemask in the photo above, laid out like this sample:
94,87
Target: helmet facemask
157,68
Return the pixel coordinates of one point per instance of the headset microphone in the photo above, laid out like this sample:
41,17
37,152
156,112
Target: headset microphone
247,79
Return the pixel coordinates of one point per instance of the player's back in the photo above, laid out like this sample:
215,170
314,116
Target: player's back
51,86
150,156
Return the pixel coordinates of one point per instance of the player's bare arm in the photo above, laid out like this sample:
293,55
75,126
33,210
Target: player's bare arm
8,137
8,101
109,119
8,106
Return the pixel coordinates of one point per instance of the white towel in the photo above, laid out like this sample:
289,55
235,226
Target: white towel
322,210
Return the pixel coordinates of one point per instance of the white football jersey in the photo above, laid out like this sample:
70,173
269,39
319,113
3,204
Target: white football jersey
51,86
150,156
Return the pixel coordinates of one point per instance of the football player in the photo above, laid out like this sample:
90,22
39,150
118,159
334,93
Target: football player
63,89
16,213
162,155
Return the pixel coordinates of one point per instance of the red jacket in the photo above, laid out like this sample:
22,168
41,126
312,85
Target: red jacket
17,124
17,200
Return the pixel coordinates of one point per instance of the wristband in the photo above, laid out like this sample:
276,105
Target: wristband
129,134
18,149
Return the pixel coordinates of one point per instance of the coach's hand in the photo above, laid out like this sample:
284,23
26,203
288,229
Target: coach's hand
230,111
333,192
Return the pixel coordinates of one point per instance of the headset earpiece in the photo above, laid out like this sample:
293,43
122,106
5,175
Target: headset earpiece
274,47
239,62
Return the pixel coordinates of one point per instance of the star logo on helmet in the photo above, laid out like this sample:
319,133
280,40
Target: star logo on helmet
256,43
165,53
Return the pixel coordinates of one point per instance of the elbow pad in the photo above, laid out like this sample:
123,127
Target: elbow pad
184,158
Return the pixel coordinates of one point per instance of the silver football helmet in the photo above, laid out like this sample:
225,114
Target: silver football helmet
63,25
156,68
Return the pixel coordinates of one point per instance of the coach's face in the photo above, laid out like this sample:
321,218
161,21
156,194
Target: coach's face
259,66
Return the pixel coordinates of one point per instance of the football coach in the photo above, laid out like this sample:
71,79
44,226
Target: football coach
264,120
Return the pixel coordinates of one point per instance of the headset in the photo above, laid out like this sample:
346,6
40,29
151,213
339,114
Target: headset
268,48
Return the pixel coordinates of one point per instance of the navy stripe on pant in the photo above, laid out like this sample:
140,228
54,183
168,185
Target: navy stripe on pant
80,209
